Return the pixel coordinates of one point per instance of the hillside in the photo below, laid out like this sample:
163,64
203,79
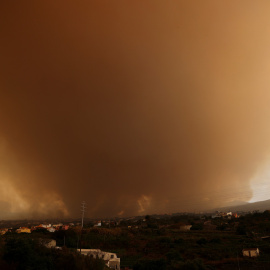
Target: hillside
261,206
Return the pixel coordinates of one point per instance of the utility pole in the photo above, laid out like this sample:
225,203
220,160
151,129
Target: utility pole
238,261
83,209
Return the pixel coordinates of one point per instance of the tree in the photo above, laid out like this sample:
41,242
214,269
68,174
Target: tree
150,265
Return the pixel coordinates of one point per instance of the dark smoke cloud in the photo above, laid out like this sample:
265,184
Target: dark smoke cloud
134,107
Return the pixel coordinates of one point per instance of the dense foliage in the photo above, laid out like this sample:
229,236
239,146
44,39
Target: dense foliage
23,253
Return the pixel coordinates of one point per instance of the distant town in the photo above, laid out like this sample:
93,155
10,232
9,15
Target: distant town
218,240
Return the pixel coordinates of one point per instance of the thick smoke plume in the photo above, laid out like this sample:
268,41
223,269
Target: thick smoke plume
133,106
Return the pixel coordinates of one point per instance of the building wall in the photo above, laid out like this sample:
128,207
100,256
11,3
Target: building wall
113,261
25,230
251,253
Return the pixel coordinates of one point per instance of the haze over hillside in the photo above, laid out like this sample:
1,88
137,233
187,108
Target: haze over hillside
245,207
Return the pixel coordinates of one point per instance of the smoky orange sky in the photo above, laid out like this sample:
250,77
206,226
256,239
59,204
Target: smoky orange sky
136,107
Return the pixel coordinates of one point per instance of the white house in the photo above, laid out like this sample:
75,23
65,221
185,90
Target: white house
45,225
98,224
250,252
110,259
51,229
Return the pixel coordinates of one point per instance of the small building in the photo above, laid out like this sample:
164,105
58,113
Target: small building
45,226
65,227
23,230
110,259
48,243
250,252
185,228
114,263
3,231
57,225
51,229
